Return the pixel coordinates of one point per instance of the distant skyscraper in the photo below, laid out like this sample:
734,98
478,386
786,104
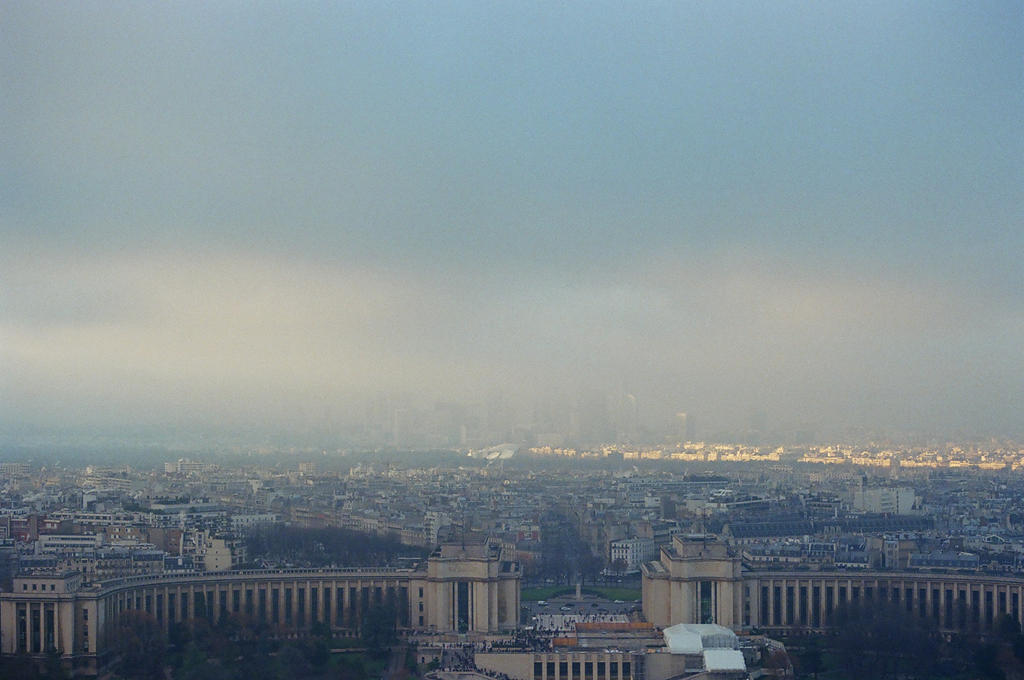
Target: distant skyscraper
400,429
627,417
379,423
632,415
498,419
685,430
596,422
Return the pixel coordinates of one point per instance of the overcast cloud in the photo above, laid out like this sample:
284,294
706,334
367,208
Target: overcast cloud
240,213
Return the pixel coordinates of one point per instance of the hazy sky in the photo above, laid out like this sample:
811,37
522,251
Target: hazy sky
242,213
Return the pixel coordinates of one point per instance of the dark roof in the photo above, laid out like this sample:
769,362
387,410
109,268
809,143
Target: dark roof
755,529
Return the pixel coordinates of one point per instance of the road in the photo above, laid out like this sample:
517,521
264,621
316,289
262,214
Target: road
587,604
396,664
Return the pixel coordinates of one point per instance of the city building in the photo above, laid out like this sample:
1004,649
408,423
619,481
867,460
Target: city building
884,500
701,580
468,589
627,554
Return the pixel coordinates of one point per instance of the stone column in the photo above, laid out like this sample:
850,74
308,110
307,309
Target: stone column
927,599
822,606
492,609
454,611
789,604
721,602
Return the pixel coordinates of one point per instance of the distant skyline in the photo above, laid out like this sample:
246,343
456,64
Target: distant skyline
250,217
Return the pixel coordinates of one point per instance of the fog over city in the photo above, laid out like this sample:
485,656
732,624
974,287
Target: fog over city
260,218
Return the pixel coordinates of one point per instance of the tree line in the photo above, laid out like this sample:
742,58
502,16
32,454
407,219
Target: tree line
883,640
238,647
565,556
279,544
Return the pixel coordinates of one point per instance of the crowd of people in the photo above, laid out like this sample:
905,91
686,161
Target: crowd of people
521,640
458,658
461,659
565,623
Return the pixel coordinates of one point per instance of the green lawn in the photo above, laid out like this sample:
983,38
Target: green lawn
609,593
545,592
614,593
